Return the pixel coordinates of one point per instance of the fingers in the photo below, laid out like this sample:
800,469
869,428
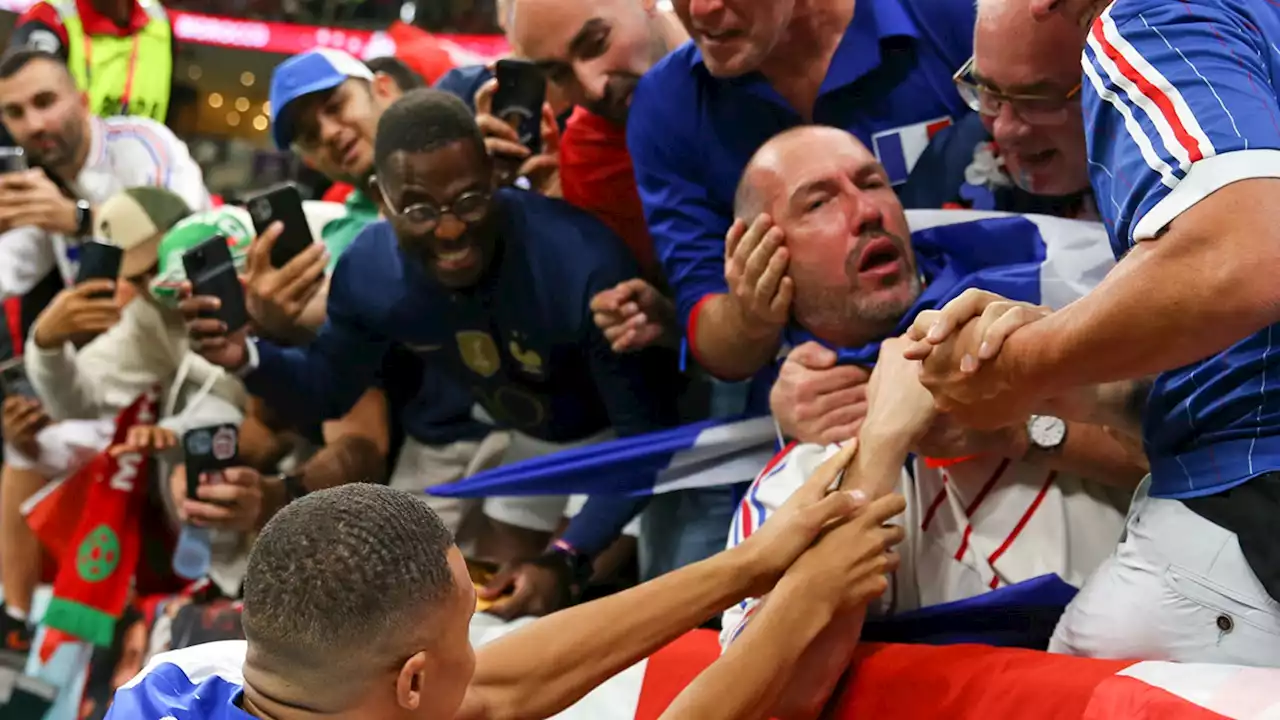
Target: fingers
241,477
224,493
818,484
498,585
90,288
733,238
198,307
550,131
836,507
815,356
1005,319
761,266
484,98
259,255
538,165
497,131
883,509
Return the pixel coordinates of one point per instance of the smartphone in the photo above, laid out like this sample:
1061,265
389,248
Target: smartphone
14,381
99,261
212,272
522,90
209,449
281,203
13,159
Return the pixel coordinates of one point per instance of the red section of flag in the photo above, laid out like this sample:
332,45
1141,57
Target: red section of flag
936,127
672,668
1126,698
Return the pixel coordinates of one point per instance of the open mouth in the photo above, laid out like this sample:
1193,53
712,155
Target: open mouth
721,36
1036,158
880,257
455,258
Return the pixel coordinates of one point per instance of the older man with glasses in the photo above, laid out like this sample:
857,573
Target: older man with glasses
1024,150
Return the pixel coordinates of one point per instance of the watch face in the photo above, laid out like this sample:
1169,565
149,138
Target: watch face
1046,431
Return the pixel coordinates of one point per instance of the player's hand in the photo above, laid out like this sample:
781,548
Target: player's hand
227,500
531,589
816,401
276,297
208,335
1000,318
755,268
897,403
23,419
848,566
31,199
146,439
776,544
77,314
633,315
512,159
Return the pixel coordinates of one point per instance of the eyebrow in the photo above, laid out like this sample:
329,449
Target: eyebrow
1037,87
865,170
589,28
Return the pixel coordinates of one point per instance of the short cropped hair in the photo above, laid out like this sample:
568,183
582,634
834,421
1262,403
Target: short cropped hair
422,121
15,60
399,71
338,578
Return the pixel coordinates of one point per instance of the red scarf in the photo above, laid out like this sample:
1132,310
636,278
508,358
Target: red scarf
92,524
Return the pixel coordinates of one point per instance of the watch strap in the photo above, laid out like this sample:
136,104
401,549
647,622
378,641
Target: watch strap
293,487
84,219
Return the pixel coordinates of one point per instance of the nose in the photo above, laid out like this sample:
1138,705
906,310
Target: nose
328,129
703,10
1008,126
863,210
591,80
450,227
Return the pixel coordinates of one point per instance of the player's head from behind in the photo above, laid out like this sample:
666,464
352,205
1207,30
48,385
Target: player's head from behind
325,104
595,50
357,605
735,36
845,232
436,183
47,115
1028,94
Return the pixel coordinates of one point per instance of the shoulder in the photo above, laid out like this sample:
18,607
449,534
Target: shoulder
776,483
464,82
141,139
948,24
203,678
557,228
670,85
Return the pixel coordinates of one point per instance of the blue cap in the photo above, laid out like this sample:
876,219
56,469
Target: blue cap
310,72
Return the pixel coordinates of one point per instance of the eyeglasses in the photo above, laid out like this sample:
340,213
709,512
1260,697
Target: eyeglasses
1033,109
425,217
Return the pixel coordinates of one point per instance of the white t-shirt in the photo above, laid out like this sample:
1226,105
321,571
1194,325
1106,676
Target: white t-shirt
124,152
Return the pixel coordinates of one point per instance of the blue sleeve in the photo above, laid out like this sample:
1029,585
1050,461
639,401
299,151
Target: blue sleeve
323,380
601,521
1180,101
688,228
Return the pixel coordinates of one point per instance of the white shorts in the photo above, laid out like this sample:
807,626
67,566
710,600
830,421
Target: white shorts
1177,588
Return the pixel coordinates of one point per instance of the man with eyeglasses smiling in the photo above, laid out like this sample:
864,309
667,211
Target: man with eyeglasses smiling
496,284
1024,149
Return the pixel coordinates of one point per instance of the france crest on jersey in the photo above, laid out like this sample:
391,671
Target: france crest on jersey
202,682
899,148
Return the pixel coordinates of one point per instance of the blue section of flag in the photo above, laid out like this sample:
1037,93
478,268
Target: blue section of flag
888,148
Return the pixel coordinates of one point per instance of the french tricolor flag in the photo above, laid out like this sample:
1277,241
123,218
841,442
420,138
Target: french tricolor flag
899,149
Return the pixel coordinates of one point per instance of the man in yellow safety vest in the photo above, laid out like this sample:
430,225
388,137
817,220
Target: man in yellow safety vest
107,45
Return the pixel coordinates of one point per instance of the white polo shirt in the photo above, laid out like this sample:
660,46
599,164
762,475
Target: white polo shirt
124,152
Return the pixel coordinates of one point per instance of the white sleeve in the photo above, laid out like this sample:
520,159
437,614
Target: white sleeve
153,155
26,257
779,480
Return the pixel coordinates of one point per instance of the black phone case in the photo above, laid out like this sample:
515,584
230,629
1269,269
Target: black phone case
207,449
212,272
281,203
522,90
99,261
14,381
13,160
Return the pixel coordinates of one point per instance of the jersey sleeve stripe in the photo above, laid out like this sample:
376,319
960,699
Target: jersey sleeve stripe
1136,133
1148,89
153,143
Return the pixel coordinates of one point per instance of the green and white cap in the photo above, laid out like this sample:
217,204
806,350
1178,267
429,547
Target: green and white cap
228,221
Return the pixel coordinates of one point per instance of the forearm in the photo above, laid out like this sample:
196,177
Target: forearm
726,346
878,465
348,459
56,378
1149,315
545,667
1093,454
748,682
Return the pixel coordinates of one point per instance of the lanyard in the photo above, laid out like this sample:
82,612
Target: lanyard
128,81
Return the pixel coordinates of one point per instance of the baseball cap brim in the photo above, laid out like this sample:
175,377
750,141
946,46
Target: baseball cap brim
306,74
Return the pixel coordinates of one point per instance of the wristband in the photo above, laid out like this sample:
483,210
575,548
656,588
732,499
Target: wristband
293,487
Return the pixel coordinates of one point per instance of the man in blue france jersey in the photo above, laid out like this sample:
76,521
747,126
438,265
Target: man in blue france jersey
1184,124
751,71
492,286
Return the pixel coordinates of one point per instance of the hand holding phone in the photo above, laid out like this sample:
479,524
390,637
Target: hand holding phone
14,381
283,204
212,273
518,100
13,160
208,451
99,261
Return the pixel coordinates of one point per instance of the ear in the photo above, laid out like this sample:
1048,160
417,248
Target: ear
411,683
385,88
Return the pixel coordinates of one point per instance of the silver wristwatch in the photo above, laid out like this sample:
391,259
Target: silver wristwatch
1046,432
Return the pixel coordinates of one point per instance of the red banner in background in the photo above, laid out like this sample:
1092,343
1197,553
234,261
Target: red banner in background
290,39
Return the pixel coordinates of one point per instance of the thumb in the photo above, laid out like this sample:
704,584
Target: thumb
814,356
498,585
